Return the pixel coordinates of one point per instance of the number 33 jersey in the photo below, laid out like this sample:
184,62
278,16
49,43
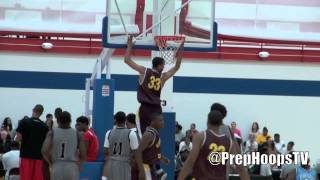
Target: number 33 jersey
208,165
64,145
149,90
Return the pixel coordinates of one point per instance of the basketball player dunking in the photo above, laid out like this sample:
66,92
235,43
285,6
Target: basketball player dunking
148,154
151,81
203,145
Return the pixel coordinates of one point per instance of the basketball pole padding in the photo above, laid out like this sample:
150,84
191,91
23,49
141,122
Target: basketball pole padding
102,120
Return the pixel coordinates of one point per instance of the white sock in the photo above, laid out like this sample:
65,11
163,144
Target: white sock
159,171
104,178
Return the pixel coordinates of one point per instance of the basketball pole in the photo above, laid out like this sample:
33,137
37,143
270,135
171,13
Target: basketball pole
102,109
161,8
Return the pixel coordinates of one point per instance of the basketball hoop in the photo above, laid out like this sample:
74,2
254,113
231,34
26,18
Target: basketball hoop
168,47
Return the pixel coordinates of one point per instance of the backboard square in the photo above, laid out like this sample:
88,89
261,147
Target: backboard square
178,17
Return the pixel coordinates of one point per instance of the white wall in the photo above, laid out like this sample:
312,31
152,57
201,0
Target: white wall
295,118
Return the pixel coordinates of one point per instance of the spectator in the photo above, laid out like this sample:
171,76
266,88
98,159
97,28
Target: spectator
178,136
265,169
236,131
289,148
90,138
271,146
5,141
49,121
255,129
181,159
57,113
286,168
280,145
251,145
7,125
11,159
261,138
31,133
186,141
131,124
45,165
193,129
303,172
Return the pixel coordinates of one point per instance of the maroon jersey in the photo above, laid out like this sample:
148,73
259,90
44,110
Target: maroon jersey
152,155
203,168
149,90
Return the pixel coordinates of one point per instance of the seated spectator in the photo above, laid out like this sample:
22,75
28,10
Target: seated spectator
303,172
186,141
11,159
49,121
255,129
7,125
289,148
271,146
5,141
181,159
236,131
178,136
280,145
265,169
286,168
90,138
251,145
261,138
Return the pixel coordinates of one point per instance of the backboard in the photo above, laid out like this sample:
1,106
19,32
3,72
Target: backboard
148,18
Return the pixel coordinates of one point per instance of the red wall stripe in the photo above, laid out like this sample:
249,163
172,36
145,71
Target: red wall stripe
310,3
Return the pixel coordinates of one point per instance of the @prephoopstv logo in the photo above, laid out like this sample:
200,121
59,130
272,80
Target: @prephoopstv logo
214,158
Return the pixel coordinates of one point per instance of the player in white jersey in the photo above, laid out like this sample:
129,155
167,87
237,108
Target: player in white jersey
120,144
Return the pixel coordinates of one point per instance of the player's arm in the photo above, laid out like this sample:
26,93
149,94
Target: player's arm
106,154
173,70
85,138
46,147
291,175
165,160
129,61
242,170
188,166
82,149
18,137
134,143
19,131
146,140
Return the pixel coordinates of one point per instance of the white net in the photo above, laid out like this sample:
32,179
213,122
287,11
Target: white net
168,47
